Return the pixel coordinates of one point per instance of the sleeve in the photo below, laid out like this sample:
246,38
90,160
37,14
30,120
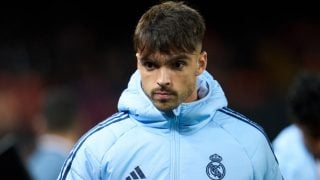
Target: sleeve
85,159
264,162
81,164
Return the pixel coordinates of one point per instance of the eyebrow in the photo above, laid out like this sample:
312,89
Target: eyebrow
173,58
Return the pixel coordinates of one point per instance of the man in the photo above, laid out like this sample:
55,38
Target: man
173,122
53,145
297,147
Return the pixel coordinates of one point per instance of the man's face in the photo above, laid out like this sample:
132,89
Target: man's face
169,80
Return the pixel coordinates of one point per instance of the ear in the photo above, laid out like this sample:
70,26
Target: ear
202,62
138,59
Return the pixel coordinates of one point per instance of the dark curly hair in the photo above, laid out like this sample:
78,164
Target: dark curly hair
304,102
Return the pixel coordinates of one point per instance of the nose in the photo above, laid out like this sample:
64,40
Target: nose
163,77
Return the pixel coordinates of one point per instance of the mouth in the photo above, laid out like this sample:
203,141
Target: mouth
162,95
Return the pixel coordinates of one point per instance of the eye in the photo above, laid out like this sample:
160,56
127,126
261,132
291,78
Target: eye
178,65
149,65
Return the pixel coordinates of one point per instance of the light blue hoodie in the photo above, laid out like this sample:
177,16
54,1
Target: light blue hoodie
199,140
295,160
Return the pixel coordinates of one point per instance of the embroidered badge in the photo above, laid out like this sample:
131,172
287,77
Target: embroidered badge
215,169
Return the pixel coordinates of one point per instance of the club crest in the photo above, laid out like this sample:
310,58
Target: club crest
215,169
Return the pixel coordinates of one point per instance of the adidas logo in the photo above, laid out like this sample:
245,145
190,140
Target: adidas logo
136,174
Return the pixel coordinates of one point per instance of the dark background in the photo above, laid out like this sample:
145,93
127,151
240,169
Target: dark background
254,50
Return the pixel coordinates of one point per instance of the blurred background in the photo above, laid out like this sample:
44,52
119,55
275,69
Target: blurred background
254,52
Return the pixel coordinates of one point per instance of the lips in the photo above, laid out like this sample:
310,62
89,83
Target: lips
162,95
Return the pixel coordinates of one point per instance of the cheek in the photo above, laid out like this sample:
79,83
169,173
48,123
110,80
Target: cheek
147,83
186,83
189,79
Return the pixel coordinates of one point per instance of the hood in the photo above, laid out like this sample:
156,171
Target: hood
135,102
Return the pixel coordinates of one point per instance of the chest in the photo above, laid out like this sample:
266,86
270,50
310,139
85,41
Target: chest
204,155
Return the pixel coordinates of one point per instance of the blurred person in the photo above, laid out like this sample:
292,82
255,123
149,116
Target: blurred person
53,145
9,113
297,147
173,120
16,135
12,164
11,158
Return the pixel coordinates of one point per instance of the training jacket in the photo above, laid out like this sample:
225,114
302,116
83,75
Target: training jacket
295,160
199,140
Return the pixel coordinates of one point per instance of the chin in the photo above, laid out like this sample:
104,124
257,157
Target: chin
164,108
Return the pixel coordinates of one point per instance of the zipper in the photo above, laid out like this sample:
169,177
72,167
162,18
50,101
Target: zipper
175,148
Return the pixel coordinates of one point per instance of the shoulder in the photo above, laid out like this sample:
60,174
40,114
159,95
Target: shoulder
239,125
94,144
247,133
286,135
292,137
254,141
108,131
302,166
